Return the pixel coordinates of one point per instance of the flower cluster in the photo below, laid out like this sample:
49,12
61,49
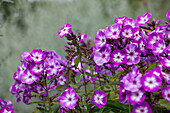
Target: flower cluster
130,60
6,106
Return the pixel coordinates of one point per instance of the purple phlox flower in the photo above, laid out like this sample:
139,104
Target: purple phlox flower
61,80
100,39
36,68
82,37
130,21
157,71
6,110
7,104
137,34
28,78
18,97
39,89
132,80
168,35
52,66
153,38
102,56
65,30
164,61
159,47
17,87
157,30
141,20
166,93
119,20
166,76
52,55
142,46
149,59
123,94
113,31
151,82
68,98
127,32
142,107
168,15
118,57
167,51
133,55
21,69
25,55
63,110
36,55
26,96
99,98
136,97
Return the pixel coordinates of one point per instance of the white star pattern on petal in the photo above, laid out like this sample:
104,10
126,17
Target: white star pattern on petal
150,82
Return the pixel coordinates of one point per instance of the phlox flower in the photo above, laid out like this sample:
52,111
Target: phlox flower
141,20
136,97
164,61
65,30
61,80
133,55
113,31
127,32
82,37
132,80
130,21
118,57
6,110
68,98
142,107
137,34
153,38
28,78
36,55
159,47
119,20
102,56
123,94
36,68
168,15
166,77
151,82
100,39
166,93
99,98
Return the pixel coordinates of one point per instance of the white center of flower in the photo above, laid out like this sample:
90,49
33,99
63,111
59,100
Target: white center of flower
142,109
98,99
151,82
118,57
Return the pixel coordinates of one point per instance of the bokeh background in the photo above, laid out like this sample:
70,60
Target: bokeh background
28,24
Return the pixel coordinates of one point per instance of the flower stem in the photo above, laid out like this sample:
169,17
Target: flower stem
129,108
49,103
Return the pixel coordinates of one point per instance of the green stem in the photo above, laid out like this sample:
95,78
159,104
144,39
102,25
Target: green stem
84,84
49,103
129,108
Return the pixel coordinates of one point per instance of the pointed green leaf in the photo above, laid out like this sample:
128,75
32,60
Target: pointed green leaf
78,78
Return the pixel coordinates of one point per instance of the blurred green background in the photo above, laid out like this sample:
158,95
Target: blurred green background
28,24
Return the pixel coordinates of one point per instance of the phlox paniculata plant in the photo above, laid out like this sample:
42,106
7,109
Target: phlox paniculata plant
127,70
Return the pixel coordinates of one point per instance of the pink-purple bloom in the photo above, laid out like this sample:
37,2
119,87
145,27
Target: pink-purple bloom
168,15
127,32
141,20
166,93
120,20
113,31
69,98
99,98
65,30
151,82
142,107
36,55
118,57
100,39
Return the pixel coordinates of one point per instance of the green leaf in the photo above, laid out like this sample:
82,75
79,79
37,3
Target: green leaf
78,78
56,102
151,66
42,110
35,102
74,86
77,60
92,76
113,78
59,86
38,95
164,103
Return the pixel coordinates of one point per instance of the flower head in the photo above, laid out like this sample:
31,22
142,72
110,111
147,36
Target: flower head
65,30
99,98
68,98
141,20
142,107
168,15
113,31
166,93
